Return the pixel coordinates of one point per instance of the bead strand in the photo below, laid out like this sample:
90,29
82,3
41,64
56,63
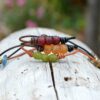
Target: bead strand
45,57
44,39
55,49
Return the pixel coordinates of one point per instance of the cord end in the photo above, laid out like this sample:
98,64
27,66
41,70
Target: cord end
96,63
70,38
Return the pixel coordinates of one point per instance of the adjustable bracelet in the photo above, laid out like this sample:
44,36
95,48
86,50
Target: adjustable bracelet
47,49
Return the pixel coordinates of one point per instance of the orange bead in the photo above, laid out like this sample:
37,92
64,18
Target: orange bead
59,49
48,48
55,49
63,49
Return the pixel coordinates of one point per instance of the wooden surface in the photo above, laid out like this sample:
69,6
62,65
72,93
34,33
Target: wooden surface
73,78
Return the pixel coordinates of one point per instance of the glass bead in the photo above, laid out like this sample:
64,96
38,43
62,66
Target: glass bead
4,60
45,58
56,49
56,40
37,55
49,40
53,58
63,49
41,40
48,48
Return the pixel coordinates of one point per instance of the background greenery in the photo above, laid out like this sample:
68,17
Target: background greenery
64,15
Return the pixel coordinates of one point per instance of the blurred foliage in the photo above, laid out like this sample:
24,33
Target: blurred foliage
58,14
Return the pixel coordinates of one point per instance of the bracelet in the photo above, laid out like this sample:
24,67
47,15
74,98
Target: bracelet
47,49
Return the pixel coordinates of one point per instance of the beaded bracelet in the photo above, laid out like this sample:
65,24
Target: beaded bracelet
44,39
49,49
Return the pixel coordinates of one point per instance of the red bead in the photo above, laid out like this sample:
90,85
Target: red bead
41,40
56,40
49,40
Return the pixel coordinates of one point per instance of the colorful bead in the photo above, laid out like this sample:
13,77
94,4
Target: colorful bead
60,49
56,49
63,49
70,48
56,40
53,58
48,48
45,58
4,60
37,55
49,40
41,40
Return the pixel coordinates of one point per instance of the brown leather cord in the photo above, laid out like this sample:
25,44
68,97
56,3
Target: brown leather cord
27,36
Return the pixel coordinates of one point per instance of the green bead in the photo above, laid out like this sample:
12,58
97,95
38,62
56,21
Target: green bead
45,57
37,55
53,58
